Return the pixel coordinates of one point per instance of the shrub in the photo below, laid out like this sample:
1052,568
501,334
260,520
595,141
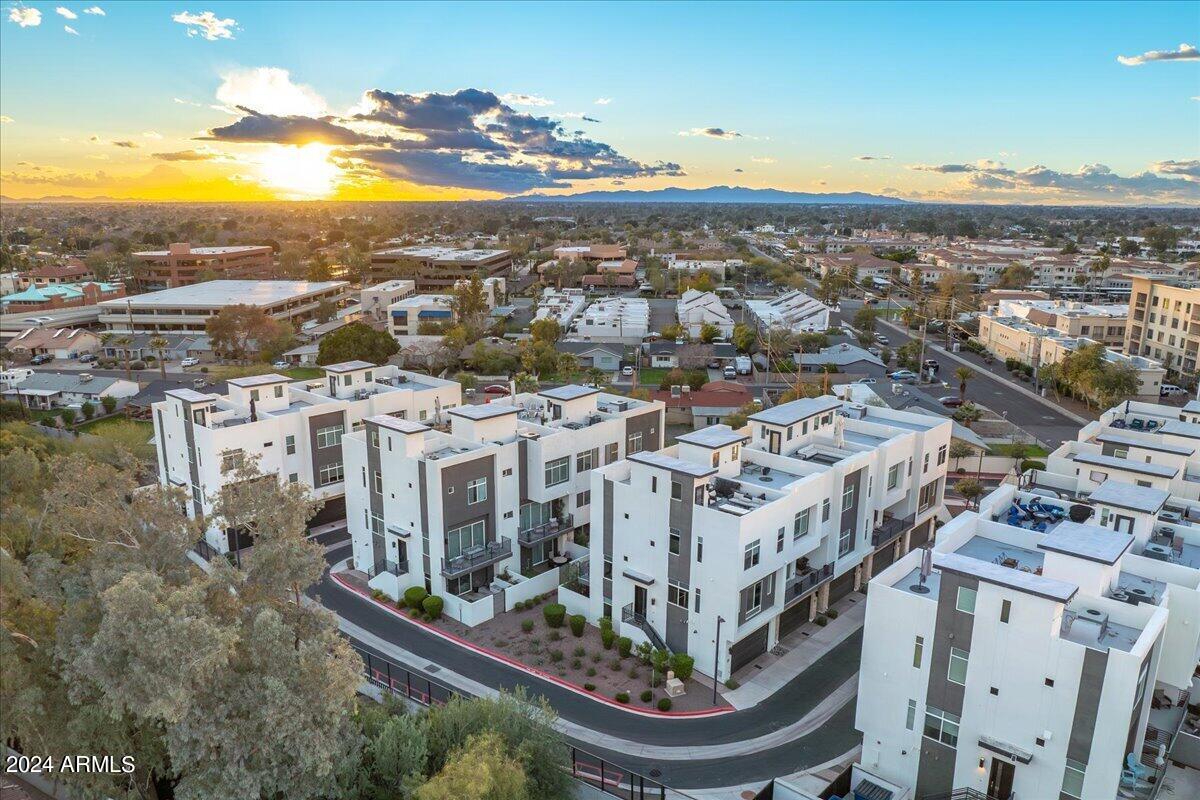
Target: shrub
137,365
832,613
377,594
109,404
591,672
821,620
1031,463
555,636
414,596
633,672
606,623
433,606
556,656
576,664
682,665
414,613
615,665
577,622
89,410
527,625
647,696
624,646
664,704
591,687
596,658
622,697
607,637
554,613
580,651
731,684
68,415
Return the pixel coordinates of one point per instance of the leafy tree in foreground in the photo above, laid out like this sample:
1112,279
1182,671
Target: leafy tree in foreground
481,770
356,342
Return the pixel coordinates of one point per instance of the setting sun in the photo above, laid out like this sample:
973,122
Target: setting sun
299,172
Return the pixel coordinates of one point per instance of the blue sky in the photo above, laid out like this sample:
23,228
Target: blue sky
996,88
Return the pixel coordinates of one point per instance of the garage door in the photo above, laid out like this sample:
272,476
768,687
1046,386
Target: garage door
841,587
883,559
919,536
794,617
748,649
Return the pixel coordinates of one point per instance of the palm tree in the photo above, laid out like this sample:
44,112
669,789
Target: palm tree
125,342
963,374
160,344
907,315
105,339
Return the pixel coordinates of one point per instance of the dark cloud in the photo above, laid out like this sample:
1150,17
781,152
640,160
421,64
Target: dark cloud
126,143
469,139
293,129
1091,182
184,155
738,169
712,133
1187,169
947,168
872,158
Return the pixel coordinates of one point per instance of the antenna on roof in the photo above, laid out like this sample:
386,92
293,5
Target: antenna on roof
926,569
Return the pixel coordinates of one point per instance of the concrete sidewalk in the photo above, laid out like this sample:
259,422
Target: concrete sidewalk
804,646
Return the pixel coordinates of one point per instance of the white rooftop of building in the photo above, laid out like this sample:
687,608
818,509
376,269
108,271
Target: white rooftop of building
258,380
1157,470
796,410
1131,496
1090,542
568,392
1177,427
348,366
672,464
204,251
1114,436
404,426
439,253
999,575
713,436
215,294
485,411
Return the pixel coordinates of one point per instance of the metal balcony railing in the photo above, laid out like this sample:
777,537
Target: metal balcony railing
891,528
628,615
391,567
476,558
547,530
802,583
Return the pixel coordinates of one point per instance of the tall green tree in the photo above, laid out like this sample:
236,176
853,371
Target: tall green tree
356,342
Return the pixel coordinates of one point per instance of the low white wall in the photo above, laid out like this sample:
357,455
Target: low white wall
530,588
575,603
468,613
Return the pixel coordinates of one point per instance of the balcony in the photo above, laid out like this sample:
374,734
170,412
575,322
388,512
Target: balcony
476,558
382,566
802,583
890,528
547,530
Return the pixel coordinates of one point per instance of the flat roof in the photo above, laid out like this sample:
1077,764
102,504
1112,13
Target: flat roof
797,410
713,436
569,392
484,411
189,395
349,366
207,251
1130,441
1192,407
225,293
258,380
1130,496
985,571
441,253
1089,542
1177,427
673,464
404,426
1157,470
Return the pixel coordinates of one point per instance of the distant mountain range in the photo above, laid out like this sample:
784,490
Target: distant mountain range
718,194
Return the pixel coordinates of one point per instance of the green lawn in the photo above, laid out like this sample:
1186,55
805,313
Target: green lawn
1033,451
652,376
103,427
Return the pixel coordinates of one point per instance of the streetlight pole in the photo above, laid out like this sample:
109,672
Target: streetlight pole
717,657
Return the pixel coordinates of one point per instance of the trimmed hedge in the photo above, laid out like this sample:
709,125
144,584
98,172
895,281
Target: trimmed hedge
664,704
414,596
607,637
527,626
554,614
622,697
647,696
432,606
606,623
624,646
832,613
682,665
577,622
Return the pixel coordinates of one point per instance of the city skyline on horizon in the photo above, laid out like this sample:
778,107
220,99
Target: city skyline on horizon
1009,103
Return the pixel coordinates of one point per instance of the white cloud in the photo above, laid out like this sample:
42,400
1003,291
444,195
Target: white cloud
70,30
66,12
152,134
183,102
762,160
206,24
1186,52
712,133
25,17
517,99
603,101
5,119
95,11
269,90
1188,170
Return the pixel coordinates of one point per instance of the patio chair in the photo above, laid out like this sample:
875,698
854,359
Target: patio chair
1135,768
1118,423
1151,424
1136,425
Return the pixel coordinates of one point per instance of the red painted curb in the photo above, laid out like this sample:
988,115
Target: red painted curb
492,654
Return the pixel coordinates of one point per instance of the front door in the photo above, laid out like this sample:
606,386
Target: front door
773,442
639,600
1123,524
1001,779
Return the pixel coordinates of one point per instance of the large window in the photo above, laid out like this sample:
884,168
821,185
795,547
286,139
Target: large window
965,601
534,514
1073,778
330,473
848,497
893,479
330,436
941,455
476,491
941,726
918,651
800,524
677,594
634,444
464,538
754,599
825,510
957,671
289,444
845,542
585,461
558,471
610,453
750,557
673,542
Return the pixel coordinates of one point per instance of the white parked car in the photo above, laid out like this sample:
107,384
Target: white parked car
626,370
281,365
189,362
1171,390
866,381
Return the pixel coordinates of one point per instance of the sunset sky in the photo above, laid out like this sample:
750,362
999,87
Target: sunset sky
1002,102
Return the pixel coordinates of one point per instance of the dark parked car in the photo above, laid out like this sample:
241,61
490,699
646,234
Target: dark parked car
951,401
41,358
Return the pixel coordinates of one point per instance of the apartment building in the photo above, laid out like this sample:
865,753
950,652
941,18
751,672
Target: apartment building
756,531
793,310
561,305
60,295
1104,323
293,428
186,309
375,300
485,512
1164,321
73,271
405,317
1045,647
183,265
624,320
694,266
434,266
861,267
696,309
591,252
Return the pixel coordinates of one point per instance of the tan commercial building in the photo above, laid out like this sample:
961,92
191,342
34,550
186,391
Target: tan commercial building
183,265
1104,323
1164,322
433,266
